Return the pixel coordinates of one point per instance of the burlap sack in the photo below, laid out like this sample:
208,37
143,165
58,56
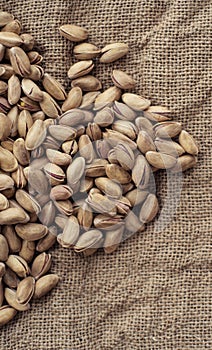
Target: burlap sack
155,291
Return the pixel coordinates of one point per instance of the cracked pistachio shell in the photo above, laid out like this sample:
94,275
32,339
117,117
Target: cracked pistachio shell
53,87
80,69
10,39
113,52
31,231
136,102
86,51
122,80
73,32
45,284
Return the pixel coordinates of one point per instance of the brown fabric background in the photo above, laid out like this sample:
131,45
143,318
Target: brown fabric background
155,292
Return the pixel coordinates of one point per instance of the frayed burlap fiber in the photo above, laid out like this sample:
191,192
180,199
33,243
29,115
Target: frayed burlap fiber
155,292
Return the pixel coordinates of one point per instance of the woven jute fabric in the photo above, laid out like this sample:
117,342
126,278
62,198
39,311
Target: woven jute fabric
155,292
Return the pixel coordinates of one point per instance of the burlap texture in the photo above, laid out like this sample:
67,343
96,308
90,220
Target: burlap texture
155,292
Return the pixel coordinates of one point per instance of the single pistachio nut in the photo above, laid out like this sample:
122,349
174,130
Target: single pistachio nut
108,187
47,241
88,99
54,173
62,132
6,182
169,147
49,106
53,87
167,129
113,239
149,209
5,18
58,158
25,122
14,26
36,135
75,171
19,61
108,96
10,296
27,251
41,265
87,83
117,173
101,204
112,52
141,172
85,216
160,160
80,69
31,90
10,39
88,239
25,290
104,117
6,71
20,152
133,224
157,113
86,51
70,233
5,127
106,222
45,284
4,105
4,248
122,80
73,99
4,204
19,177
125,155
114,137
3,87
31,231
27,201
184,162
136,196
188,143
136,102
93,131
144,142
14,90
73,32
37,72
28,41
47,214
72,117
96,168
10,278
28,104
18,265
8,162
126,128
7,313
35,57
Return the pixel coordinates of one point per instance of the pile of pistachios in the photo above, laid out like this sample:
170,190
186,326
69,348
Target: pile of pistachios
76,167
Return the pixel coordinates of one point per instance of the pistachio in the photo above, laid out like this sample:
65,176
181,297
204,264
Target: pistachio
110,95
114,137
88,239
19,177
35,58
6,182
31,231
86,51
72,117
87,83
45,284
5,18
28,104
19,61
47,214
14,90
169,147
27,202
9,39
58,158
20,152
25,290
108,187
8,162
73,99
160,160
47,241
157,113
94,131
125,155
75,171
122,80
133,223
18,265
188,143
3,87
12,115
101,204
4,248
62,132
11,298
41,265
24,123
96,168
27,250
117,173
36,135
53,87
14,242
37,72
102,148
80,69
4,204
88,99
14,26
28,41
54,173
149,209
65,207
4,105
126,128
184,162
7,313
31,90
49,106
113,52
112,240
145,142
104,117
70,233
167,129
73,32
5,126
106,222
136,196
85,216
61,192
10,278
136,102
